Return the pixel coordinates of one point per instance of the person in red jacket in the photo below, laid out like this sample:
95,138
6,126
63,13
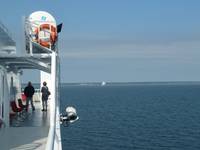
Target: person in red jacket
28,92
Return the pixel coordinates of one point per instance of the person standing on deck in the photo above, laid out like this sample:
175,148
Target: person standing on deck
45,95
28,92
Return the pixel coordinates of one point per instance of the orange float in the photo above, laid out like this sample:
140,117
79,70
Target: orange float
53,35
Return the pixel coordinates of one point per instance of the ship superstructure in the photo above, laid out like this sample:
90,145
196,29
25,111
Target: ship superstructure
35,130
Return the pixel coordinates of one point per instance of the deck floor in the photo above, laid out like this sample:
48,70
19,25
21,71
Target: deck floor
27,132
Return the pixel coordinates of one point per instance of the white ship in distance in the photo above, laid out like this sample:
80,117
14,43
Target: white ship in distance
103,83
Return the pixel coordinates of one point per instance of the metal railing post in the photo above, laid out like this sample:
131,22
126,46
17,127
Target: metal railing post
51,135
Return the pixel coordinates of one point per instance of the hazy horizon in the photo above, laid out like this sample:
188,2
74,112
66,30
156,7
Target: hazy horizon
123,82
118,41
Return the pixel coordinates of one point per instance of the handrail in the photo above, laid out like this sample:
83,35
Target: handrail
53,103
51,137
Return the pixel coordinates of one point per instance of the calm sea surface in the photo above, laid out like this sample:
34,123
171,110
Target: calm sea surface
133,116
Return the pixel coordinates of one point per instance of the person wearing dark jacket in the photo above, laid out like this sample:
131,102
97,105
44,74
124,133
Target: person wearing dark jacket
29,91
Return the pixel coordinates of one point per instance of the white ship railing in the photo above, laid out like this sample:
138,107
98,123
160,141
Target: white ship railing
54,131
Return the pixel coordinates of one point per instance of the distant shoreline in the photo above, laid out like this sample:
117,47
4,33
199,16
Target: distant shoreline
138,83
125,83
145,82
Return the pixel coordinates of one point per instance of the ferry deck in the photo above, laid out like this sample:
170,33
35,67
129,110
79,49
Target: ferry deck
32,130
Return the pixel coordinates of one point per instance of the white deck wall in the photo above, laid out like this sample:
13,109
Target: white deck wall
4,97
1,94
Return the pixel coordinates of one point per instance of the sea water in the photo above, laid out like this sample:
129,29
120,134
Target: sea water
135,116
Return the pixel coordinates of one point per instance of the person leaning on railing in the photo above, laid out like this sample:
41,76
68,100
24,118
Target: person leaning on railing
45,95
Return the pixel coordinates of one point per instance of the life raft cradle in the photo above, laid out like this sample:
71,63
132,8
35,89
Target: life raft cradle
53,35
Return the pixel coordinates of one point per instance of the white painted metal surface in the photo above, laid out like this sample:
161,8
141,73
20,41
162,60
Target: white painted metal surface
54,137
51,136
40,17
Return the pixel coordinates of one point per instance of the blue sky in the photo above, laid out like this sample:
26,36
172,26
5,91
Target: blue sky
119,40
